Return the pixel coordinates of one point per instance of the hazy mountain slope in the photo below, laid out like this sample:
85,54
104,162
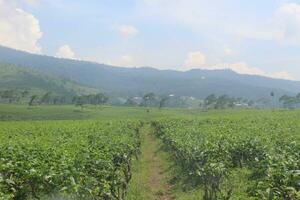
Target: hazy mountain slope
137,81
13,77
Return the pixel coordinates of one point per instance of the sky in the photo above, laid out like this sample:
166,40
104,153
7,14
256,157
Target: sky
250,37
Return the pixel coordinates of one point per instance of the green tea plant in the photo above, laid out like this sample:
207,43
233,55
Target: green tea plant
68,159
211,150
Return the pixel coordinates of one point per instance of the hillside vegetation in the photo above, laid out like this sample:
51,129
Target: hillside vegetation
23,79
128,82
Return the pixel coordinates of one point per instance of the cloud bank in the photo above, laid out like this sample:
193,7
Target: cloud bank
65,51
197,60
18,28
194,60
128,30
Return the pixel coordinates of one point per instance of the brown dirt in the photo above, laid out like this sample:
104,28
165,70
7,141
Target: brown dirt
158,177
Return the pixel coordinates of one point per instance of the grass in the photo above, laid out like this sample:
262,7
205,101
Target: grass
49,112
9,112
150,177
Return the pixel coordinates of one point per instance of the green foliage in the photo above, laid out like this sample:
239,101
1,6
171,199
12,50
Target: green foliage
94,99
222,102
32,99
290,101
18,81
76,160
210,151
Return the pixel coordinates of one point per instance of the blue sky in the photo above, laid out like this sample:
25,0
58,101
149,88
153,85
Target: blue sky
249,37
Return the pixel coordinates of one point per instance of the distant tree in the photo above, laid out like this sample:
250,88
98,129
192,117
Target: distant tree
9,95
32,99
46,98
57,100
250,103
74,99
220,102
272,94
163,102
90,99
264,102
148,99
201,105
289,101
130,102
63,99
224,101
24,93
79,103
101,98
210,100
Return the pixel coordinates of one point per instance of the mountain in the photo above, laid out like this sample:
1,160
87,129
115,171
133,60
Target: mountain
19,78
126,82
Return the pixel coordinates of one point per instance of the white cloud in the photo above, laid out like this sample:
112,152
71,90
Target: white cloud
194,60
19,29
121,61
283,27
65,51
244,68
31,2
283,75
128,30
268,32
228,51
288,19
127,59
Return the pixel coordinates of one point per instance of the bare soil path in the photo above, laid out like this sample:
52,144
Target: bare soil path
150,177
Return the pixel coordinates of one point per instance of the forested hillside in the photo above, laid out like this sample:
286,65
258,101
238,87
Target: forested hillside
13,78
128,82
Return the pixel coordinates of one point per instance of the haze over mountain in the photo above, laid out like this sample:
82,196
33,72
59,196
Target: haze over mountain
127,82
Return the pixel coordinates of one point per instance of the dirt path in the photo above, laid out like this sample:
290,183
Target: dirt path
150,177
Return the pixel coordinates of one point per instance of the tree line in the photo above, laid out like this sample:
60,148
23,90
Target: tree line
212,101
290,101
49,98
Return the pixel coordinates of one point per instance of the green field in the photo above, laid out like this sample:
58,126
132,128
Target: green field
10,112
63,152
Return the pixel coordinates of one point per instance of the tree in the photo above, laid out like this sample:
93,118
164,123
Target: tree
289,101
79,102
24,93
32,99
149,99
46,98
211,99
250,103
130,102
9,95
272,94
163,102
224,101
101,98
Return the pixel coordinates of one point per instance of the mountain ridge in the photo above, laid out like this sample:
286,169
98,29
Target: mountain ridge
127,82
